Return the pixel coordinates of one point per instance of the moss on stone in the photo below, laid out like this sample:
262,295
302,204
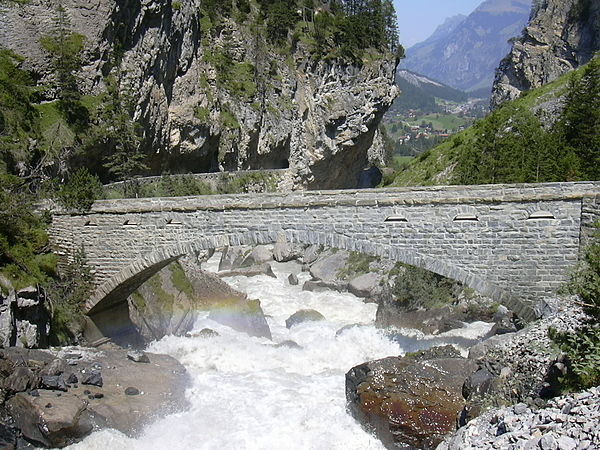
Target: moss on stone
180,280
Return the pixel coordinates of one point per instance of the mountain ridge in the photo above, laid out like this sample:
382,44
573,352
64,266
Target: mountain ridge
465,53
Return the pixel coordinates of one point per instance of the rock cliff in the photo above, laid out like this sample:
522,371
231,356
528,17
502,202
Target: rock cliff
214,98
561,36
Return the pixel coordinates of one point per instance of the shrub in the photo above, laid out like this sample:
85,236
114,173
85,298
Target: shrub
80,192
68,295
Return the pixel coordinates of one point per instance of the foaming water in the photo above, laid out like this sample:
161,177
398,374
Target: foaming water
247,393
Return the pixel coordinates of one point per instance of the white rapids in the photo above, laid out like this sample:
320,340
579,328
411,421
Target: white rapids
247,393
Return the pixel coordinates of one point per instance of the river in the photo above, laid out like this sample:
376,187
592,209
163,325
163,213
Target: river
247,393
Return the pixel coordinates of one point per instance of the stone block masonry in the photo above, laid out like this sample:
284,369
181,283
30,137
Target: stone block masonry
515,243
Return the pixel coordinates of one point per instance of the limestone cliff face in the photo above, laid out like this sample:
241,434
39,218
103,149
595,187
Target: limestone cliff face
263,109
561,36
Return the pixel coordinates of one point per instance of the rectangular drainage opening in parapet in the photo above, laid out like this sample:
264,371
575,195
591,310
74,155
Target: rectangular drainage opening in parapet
466,218
130,223
539,215
174,222
396,219
90,223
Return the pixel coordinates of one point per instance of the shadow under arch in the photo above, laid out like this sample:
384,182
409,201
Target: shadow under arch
115,291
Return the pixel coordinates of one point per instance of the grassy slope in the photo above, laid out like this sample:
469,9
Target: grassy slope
435,166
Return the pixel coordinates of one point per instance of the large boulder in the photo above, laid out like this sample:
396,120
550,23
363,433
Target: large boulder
50,420
303,315
169,302
246,316
329,265
259,255
311,253
283,251
367,285
411,401
232,257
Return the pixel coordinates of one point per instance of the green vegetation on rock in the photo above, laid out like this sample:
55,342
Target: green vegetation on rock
418,288
582,347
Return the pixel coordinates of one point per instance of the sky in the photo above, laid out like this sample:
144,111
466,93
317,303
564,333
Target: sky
417,19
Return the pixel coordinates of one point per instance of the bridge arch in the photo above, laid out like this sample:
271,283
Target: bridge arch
124,283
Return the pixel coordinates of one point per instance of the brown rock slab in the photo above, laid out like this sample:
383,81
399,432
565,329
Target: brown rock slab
408,401
50,420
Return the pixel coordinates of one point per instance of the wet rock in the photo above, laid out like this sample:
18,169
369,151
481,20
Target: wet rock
170,301
8,437
92,379
303,315
138,357
247,317
408,402
204,333
63,423
366,285
431,321
54,382
21,380
132,391
293,279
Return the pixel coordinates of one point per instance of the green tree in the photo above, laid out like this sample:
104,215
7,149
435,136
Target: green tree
116,134
24,252
80,191
18,118
579,125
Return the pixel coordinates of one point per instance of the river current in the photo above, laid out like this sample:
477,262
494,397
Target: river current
247,393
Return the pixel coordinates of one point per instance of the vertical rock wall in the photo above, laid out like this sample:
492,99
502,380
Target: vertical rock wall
280,110
561,36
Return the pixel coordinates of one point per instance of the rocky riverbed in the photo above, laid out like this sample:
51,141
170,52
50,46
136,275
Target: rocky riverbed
570,422
55,397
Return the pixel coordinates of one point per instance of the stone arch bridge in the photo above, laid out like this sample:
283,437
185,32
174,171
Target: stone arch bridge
515,243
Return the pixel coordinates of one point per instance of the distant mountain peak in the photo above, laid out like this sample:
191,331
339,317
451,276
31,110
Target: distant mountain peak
447,27
464,52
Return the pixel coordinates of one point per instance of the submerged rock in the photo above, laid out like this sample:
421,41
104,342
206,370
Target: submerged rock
304,315
293,279
289,344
